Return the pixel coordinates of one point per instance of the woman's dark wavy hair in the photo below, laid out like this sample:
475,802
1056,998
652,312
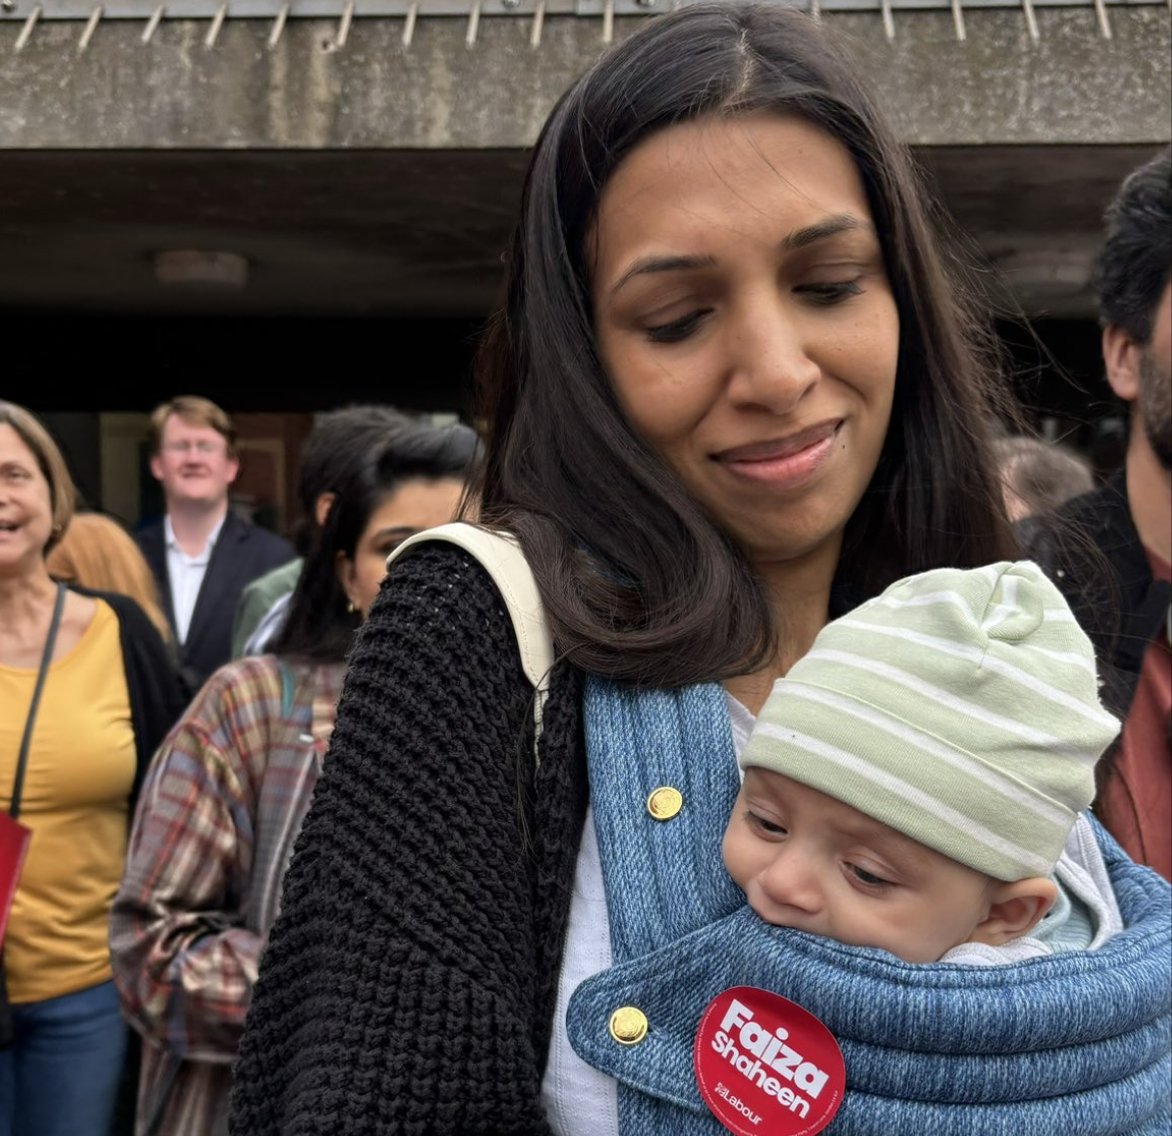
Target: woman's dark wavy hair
664,597
319,627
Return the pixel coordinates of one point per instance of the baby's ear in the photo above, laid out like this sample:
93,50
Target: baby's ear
1015,909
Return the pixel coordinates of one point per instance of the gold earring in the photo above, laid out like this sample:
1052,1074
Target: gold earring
350,607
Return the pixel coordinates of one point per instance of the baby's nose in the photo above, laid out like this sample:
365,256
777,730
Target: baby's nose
793,879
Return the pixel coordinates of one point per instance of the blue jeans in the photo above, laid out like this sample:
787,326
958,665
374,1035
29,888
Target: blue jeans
61,1076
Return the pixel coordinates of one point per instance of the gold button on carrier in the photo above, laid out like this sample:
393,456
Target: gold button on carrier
628,1025
665,802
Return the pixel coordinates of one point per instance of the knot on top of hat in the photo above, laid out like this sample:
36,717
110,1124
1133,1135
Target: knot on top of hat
1018,603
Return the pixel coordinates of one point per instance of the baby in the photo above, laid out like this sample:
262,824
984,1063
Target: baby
914,780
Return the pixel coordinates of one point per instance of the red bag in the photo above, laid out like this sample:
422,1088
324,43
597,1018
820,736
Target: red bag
14,841
14,836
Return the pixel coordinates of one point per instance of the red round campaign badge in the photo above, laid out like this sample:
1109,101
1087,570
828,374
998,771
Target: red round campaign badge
765,1066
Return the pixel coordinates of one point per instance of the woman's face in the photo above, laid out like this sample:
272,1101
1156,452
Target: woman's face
745,319
26,505
410,507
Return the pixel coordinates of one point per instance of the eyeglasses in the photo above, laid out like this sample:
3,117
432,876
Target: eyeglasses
204,447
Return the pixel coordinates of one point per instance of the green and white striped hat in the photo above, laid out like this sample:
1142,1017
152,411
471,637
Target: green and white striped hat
960,708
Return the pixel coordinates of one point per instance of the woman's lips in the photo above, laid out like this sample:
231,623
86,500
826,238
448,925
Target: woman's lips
786,463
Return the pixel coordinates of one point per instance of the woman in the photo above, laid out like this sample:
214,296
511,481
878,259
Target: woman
109,696
732,393
226,794
97,552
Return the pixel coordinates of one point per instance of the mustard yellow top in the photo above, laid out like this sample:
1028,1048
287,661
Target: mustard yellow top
76,796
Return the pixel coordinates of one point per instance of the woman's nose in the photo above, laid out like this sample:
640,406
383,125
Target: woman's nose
772,367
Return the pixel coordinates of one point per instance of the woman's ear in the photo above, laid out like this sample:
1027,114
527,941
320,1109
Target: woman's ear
321,508
1015,909
344,566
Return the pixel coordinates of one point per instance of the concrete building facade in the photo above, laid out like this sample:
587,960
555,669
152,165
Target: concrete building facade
285,206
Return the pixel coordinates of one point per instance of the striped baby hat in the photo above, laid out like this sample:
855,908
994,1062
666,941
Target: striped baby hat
960,708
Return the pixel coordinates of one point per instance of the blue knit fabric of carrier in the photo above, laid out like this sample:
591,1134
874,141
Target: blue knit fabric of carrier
1076,1044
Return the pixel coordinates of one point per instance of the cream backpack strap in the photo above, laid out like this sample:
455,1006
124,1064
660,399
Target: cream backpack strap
501,557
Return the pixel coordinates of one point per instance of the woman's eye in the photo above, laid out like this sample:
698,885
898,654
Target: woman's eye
676,330
868,878
827,294
388,545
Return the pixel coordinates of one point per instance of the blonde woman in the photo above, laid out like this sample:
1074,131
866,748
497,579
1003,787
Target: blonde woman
109,694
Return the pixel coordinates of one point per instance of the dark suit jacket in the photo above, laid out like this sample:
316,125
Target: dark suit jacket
242,553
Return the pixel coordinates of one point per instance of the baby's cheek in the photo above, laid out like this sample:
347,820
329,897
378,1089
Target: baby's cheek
732,852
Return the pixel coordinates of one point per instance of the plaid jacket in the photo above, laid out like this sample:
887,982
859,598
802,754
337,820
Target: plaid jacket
212,837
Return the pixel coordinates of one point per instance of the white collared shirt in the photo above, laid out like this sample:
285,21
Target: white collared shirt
186,574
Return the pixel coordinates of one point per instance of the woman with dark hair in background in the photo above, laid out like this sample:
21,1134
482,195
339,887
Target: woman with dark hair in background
337,442
71,763
733,393
227,792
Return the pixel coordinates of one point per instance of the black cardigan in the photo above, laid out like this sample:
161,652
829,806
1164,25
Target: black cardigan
157,697
409,983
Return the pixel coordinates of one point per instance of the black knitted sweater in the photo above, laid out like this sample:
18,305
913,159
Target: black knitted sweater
409,982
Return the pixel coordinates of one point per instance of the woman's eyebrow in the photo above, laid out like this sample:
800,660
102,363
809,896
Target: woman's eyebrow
396,531
652,264
831,227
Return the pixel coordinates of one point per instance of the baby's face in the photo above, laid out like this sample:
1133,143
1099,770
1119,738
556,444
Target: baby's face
808,861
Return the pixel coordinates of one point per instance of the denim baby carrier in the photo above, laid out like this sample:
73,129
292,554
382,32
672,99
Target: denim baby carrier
1074,1044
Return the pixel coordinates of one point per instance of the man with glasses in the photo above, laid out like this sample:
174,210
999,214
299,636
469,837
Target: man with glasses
201,552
